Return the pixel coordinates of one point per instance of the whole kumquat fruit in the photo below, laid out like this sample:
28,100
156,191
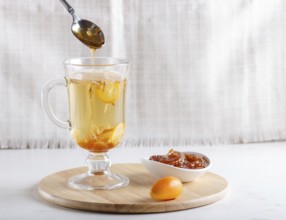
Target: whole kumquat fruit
166,188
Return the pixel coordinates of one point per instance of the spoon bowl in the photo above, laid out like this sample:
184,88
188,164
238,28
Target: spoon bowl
88,33
185,175
85,31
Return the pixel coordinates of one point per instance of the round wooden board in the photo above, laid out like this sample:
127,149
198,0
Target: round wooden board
133,198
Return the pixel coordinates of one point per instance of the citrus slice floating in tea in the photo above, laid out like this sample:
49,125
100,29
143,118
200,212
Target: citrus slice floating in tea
118,133
108,91
105,136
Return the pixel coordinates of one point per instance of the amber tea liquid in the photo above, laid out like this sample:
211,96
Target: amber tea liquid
97,104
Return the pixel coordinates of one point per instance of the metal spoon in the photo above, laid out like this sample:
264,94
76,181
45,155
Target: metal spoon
87,32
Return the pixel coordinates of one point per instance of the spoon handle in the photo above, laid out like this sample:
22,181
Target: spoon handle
68,7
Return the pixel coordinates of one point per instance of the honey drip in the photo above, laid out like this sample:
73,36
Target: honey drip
92,51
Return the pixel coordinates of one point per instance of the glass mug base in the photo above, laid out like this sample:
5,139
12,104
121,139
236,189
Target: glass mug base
98,175
86,181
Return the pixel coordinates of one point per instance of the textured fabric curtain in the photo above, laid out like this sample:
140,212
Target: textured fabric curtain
202,71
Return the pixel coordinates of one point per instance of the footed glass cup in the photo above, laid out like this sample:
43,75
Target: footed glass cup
96,94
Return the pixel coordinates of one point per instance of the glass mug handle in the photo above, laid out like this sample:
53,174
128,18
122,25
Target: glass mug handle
46,105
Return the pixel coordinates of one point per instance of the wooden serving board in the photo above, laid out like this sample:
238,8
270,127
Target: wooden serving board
133,198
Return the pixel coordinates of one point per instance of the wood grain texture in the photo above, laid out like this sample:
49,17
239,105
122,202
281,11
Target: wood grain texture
135,197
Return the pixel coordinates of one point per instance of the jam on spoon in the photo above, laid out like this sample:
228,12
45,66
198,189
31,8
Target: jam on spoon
86,31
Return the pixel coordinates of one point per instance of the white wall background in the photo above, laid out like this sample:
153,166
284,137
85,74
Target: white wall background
203,71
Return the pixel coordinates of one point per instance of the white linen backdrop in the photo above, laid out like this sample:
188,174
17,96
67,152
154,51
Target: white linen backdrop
202,71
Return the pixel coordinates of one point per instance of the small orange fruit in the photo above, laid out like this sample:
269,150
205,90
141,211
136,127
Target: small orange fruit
166,188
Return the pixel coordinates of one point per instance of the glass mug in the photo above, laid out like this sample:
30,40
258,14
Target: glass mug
96,94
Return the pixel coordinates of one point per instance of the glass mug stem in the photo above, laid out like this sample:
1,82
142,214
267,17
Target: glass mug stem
98,163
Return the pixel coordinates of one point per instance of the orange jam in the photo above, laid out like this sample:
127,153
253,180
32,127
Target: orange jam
182,160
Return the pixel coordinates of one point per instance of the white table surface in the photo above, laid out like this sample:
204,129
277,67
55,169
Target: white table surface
256,174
